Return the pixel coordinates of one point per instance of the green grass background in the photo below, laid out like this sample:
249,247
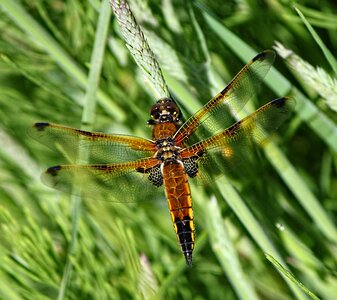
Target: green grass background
281,215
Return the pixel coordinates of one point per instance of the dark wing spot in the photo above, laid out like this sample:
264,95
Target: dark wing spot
53,170
280,102
85,133
234,127
261,55
40,126
101,167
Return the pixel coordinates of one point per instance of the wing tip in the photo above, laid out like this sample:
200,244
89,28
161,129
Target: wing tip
49,177
265,54
53,170
285,101
280,102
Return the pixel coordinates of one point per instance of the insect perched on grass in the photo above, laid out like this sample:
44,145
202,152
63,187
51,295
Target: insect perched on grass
126,168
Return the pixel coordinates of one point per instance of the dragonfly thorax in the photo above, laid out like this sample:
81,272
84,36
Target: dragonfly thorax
167,150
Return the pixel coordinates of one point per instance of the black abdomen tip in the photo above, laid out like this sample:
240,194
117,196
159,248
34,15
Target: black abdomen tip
41,125
188,258
53,170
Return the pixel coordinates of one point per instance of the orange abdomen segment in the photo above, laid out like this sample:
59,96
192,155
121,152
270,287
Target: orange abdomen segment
180,203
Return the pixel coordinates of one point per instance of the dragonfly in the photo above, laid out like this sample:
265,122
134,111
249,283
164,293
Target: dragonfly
124,168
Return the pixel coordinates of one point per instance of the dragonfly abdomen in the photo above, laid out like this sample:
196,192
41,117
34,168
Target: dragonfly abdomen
178,194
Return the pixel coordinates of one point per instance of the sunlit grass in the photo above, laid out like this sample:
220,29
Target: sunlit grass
286,209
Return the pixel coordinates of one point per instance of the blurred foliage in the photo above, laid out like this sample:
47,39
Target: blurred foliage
130,251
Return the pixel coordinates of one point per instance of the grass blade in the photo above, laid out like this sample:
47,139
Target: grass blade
290,276
225,252
88,117
38,35
139,47
328,55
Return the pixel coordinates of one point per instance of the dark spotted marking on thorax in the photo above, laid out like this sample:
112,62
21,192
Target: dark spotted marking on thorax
191,166
155,175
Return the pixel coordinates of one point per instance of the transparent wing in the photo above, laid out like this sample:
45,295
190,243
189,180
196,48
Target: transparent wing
123,183
100,148
218,113
228,151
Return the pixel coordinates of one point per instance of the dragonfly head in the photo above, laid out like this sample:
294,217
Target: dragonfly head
165,110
